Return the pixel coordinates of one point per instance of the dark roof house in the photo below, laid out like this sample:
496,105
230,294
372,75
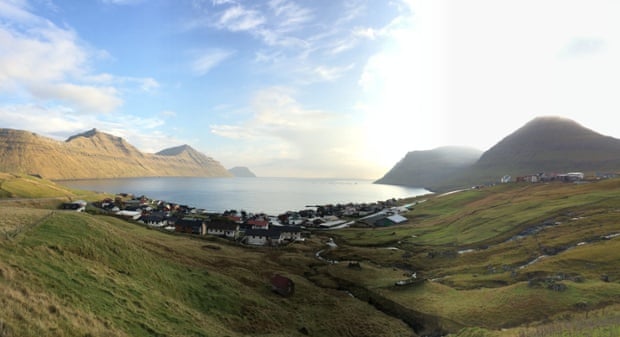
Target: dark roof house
282,285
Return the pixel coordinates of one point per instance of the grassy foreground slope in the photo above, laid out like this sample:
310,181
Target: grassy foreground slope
18,188
511,260
71,274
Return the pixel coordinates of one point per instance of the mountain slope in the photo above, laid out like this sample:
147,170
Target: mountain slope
552,144
428,168
94,154
545,144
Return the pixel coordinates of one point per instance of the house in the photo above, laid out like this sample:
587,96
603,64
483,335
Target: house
384,219
258,224
79,206
190,225
289,233
397,219
262,237
155,219
225,229
235,218
282,285
533,178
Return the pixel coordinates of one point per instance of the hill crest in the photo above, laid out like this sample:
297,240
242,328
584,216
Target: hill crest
95,154
544,144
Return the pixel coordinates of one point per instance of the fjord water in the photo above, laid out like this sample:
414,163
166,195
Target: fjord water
269,195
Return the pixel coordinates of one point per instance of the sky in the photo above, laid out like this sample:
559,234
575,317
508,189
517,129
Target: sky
307,88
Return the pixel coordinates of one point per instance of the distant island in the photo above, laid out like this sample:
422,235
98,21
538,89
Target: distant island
242,171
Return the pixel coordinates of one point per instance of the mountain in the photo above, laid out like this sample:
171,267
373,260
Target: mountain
545,144
427,168
551,144
95,154
241,171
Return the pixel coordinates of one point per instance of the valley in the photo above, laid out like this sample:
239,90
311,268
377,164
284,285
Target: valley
511,260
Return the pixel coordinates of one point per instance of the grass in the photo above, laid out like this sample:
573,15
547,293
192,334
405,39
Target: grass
487,288
78,274
20,186
75,274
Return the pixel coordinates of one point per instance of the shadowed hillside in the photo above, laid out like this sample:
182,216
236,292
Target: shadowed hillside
545,144
427,168
95,154
552,144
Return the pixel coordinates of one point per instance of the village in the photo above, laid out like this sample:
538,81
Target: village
273,230
242,227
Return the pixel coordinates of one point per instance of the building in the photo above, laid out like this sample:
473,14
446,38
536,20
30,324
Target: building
191,226
225,229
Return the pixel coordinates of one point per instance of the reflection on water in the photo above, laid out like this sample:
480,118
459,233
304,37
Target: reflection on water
269,195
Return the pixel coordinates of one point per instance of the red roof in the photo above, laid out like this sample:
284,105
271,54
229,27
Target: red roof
234,218
258,223
282,285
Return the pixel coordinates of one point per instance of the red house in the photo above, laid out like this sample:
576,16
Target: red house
282,285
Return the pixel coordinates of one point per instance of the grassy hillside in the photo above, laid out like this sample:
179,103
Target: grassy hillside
71,274
501,258
508,261
27,190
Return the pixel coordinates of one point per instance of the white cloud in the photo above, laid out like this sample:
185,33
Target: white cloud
286,139
292,16
238,18
331,73
450,68
87,98
60,122
51,121
47,63
209,59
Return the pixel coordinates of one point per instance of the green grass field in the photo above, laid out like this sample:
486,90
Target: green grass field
75,274
478,269
508,261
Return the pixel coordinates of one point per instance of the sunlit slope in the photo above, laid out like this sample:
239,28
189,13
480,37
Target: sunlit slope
20,186
71,274
503,257
95,154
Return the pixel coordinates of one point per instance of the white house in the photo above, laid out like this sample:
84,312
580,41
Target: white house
289,233
262,237
229,230
154,220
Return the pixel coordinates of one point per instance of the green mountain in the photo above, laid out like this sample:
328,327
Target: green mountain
551,144
545,144
427,168
94,154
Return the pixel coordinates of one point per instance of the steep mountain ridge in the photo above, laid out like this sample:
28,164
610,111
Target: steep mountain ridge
545,144
95,154
424,168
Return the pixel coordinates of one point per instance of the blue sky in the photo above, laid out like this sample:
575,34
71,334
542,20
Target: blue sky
317,88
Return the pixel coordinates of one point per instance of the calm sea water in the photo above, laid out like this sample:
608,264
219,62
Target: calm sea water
269,195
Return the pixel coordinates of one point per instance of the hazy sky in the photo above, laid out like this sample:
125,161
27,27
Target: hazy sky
320,88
